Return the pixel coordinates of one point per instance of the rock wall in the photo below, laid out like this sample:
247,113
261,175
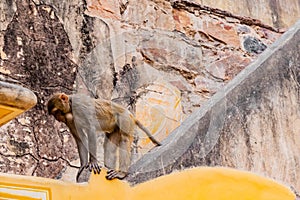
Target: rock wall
278,14
251,124
34,52
161,59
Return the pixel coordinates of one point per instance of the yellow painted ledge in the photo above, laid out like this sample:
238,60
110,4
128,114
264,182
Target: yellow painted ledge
203,183
14,100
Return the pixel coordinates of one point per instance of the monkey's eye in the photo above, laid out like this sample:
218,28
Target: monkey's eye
59,116
57,113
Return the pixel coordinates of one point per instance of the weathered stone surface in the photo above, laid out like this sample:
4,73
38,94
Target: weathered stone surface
280,14
160,111
182,20
171,51
207,85
151,14
228,66
224,32
253,45
114,50
37,49
248,125
105,9
5,18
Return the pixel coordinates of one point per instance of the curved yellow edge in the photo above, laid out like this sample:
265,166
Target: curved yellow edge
14,100
204,183
212,183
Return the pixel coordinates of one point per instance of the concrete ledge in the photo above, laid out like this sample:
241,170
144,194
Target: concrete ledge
14,100
253,118
199,183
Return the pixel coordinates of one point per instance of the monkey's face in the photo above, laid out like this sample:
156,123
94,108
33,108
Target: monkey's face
59,106
58,115
60,102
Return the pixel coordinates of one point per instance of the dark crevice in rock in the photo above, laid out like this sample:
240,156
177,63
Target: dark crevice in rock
193,6
87,40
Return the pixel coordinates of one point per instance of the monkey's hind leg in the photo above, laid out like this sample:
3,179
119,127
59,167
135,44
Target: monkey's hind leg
124,158
111,143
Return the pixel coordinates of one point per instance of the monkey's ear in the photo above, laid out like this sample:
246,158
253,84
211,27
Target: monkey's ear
64,97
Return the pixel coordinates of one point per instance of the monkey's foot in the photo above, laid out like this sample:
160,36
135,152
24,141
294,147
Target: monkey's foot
82,175
112,174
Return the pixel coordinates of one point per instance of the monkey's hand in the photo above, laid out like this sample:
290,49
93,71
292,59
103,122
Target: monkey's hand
112,174
93,166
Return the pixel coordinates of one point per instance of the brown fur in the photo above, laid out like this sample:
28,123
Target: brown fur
85,116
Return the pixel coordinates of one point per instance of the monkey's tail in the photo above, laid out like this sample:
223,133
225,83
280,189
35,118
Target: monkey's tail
141,126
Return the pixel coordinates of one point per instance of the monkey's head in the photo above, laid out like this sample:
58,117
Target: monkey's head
58,106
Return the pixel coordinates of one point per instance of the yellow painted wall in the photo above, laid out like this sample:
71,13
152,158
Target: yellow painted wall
7,113
199,183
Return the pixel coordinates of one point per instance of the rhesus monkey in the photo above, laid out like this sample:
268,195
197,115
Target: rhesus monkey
84,116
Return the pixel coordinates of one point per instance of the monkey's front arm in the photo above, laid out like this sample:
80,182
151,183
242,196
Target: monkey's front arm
92,145
85,122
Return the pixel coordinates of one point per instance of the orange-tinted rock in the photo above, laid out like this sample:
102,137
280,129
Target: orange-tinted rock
227,67
160,111
181,19
106,9
149,14
172,50
222,32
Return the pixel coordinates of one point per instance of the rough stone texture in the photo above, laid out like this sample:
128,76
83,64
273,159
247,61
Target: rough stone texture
160,110
250,124
253,45
116,50
36,49
279,14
